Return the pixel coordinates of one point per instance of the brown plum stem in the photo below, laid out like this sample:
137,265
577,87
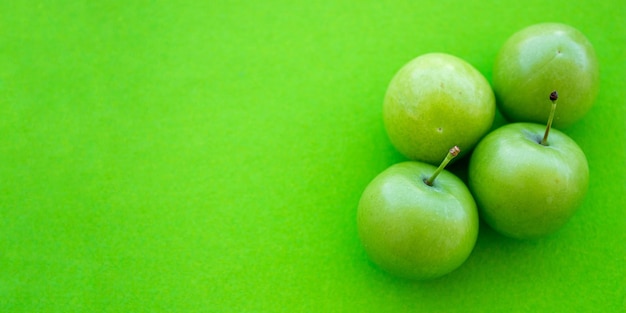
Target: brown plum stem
451,154
553,97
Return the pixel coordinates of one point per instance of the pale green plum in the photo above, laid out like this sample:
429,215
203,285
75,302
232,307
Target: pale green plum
525,189
434,102
414,230
542,58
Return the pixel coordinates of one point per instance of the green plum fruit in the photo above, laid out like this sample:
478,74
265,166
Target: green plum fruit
527,184
415,226
434,102
542,58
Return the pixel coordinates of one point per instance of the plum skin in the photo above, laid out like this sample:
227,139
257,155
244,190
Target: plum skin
539,59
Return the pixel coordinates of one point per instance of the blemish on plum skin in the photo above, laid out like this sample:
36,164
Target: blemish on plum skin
439,129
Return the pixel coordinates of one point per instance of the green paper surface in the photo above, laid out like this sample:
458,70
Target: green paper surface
203,156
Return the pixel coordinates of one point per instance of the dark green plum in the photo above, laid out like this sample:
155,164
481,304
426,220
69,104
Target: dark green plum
414,226
542,58
528,179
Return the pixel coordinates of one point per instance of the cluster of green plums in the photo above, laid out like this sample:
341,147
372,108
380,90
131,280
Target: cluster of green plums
419,221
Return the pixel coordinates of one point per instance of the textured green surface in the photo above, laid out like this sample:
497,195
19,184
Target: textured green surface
161,156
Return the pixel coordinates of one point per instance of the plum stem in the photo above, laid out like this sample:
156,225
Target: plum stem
553,97
451,154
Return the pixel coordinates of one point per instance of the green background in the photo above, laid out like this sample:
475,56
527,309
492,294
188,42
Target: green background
196,156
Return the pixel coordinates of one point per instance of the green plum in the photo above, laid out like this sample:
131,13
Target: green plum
415,226
434,102
528,184
542,58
